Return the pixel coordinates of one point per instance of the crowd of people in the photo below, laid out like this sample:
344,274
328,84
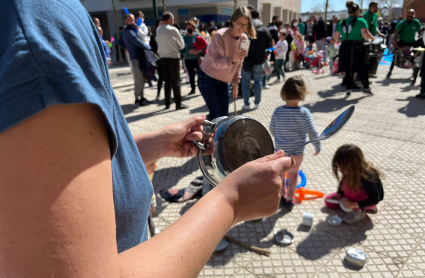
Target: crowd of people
286,47
75,191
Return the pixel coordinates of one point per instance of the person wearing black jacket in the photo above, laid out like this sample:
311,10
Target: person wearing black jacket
135,46
319,34
253,64
360,187
331,28
274,33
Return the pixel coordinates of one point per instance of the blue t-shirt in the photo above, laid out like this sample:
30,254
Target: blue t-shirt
50,53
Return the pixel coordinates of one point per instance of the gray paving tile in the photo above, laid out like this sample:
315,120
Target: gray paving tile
388,127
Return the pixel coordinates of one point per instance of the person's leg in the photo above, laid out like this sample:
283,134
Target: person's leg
160,80
190,66
277,65
293,177
245,82
391,67
123,54
139,80
167,81
151,224
223,96
415,74
421,94
117,52
364,78
206,86
257,76
174,66
348,80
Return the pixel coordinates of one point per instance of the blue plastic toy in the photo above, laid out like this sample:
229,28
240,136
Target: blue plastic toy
125,10
303,179
139,21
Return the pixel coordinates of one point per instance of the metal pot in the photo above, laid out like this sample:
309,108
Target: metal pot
230,142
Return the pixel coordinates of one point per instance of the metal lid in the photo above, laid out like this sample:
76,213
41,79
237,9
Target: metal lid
245,140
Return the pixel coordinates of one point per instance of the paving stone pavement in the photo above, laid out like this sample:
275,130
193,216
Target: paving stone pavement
390,129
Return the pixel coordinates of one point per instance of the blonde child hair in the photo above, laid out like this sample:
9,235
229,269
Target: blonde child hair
300,37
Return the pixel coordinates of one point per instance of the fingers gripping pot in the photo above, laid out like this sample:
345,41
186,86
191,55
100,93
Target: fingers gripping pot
230,142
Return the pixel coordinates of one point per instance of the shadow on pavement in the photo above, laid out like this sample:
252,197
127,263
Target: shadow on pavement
128,108
414,107
323,238
249,236
389,81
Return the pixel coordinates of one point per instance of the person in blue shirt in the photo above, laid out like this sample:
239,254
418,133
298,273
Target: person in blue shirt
134,45
74,191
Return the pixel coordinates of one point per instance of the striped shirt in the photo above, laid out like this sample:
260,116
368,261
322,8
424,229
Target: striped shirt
290,125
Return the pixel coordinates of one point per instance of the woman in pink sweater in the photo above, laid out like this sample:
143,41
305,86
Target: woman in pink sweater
222,63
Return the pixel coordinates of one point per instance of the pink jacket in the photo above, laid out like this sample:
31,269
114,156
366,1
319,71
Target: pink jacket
299,47
217,63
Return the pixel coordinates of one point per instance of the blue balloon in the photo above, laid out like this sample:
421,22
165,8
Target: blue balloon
125,10
139,21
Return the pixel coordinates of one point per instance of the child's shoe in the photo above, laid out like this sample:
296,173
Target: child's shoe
286,204
354,216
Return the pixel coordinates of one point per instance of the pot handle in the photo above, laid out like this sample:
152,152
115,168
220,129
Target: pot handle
210,126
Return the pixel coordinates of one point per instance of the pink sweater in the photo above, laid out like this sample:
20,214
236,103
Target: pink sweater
218,61
300,47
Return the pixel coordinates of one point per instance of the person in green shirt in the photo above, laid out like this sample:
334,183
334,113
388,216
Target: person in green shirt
353,55
405,33
371,18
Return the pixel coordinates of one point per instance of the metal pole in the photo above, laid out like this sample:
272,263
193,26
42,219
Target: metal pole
155,11
116,25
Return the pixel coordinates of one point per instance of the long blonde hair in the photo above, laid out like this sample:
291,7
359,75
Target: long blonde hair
243,11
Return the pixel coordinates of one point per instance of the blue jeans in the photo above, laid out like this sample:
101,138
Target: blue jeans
215,94
257,75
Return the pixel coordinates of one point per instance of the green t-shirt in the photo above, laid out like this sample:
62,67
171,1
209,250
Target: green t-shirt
301,28
354,33
407,31
372,21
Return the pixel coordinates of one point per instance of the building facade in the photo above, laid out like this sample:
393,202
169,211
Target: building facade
206,10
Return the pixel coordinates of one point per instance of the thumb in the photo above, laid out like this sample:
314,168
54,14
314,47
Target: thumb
278,162
189,123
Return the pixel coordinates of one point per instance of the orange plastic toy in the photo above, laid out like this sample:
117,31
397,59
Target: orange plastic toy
302,192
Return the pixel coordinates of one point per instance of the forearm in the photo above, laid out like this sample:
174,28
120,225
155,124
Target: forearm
184,247
150,146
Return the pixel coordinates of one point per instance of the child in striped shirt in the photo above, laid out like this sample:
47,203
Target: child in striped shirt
289,125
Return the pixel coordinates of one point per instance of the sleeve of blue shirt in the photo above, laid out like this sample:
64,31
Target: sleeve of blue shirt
311,130
48,59
273,123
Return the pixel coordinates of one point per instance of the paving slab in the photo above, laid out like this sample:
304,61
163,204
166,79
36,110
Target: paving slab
390,129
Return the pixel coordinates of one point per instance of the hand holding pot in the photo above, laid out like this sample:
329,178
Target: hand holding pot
253,190
177,139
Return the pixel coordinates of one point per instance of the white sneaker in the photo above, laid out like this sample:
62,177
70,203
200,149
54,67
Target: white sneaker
257,106
277,81
246,107
157,231
265,87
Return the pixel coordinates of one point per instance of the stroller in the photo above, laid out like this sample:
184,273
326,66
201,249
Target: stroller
314,60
